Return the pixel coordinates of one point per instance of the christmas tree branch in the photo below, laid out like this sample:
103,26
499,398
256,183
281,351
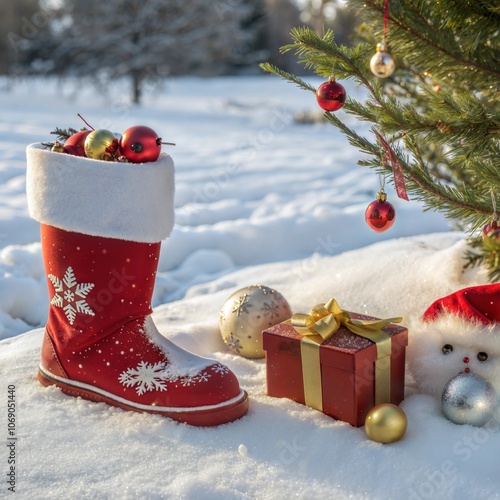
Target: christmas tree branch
442,196
485,250
326,56
457,202
419,34
270,68
445,132
311,48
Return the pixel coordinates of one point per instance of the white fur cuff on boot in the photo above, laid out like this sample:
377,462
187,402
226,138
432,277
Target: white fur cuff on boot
128,201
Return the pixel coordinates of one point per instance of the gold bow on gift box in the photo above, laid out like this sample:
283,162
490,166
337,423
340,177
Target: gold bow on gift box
319,325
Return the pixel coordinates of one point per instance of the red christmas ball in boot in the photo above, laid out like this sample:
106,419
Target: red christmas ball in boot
140,144
380,214
331,95
75,144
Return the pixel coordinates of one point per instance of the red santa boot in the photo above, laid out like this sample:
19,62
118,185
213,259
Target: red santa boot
101,227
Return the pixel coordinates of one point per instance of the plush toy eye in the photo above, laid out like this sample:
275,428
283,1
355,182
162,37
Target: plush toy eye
447,348
482,356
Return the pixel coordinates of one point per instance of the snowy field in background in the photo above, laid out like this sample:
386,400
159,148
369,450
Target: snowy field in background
259,200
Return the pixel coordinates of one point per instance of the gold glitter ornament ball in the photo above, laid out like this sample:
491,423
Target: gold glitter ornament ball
247,313
386,423
99,142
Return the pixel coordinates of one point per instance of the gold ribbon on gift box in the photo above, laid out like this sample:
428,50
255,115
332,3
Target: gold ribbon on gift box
319,325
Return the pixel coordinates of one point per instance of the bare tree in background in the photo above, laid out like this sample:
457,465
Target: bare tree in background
147,41
321,15
20,20
282,16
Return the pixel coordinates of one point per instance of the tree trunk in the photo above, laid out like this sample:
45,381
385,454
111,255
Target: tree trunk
136,88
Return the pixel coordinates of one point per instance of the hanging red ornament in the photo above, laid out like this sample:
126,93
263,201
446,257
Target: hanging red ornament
380,214
492,230
331,95
75,144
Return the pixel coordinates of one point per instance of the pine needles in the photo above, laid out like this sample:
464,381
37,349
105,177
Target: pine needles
439,110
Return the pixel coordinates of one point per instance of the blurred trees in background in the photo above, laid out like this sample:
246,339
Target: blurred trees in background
16,27
146,41
322,15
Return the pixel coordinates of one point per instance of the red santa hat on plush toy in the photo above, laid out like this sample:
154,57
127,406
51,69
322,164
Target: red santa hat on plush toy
459,333
477,303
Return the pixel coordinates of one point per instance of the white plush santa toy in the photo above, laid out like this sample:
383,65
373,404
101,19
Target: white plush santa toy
459,333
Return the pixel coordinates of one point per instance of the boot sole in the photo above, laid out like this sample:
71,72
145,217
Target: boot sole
203,416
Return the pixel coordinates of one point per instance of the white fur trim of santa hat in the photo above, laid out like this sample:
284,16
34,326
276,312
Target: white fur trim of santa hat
129,201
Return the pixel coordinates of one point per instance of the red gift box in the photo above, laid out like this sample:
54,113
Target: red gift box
348,380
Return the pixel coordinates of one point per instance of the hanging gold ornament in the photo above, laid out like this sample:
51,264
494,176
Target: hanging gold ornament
386,423
382,64
247,313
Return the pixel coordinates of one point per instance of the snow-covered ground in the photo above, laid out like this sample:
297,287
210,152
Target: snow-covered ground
259,200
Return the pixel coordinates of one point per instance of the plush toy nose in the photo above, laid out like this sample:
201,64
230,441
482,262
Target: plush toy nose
466,360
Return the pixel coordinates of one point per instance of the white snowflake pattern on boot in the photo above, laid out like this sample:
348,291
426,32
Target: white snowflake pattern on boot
146,376
152,377
219,368
67,291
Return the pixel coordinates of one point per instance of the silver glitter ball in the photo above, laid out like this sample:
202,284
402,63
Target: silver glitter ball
468,399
